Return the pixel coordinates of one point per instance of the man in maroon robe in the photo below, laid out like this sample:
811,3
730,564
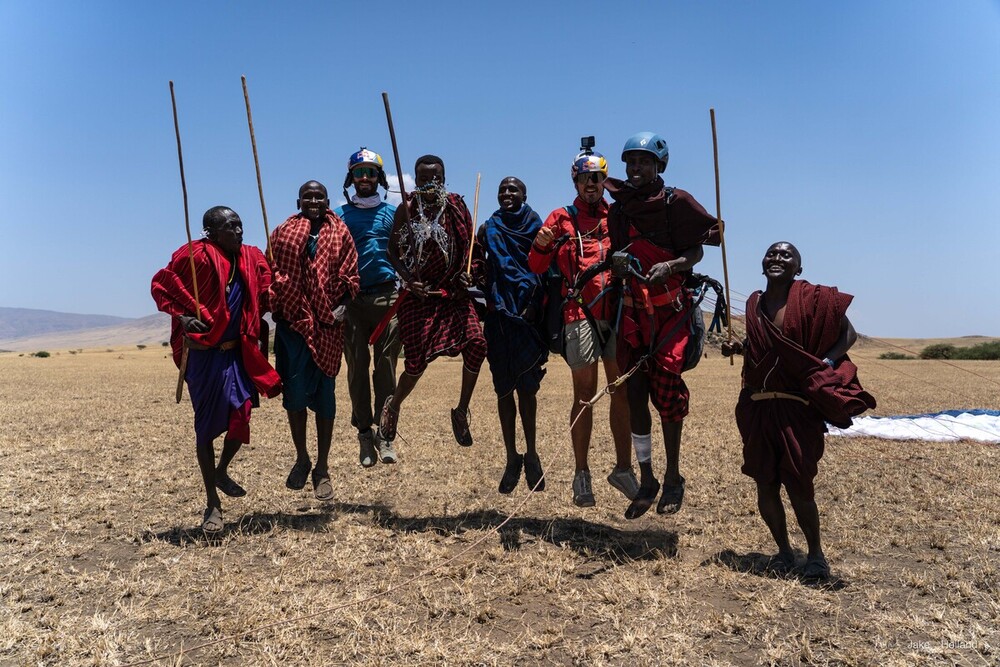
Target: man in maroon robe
796,378
216,336
429,247
662,229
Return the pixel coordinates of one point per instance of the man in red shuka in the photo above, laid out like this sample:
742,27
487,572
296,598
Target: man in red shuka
224,368
796,377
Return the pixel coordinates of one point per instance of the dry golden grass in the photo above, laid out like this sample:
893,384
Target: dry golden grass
101,562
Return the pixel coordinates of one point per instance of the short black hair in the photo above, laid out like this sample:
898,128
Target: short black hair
520,183
428,159
216,216
310,185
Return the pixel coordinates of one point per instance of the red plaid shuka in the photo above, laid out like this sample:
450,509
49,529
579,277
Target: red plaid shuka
174,294
436,326
305,291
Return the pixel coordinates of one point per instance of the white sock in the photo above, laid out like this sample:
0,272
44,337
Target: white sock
643,446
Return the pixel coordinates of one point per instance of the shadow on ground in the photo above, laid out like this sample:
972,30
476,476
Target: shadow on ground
756,563
589,539
311,519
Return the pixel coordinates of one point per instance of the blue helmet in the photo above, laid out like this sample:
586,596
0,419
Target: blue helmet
651,143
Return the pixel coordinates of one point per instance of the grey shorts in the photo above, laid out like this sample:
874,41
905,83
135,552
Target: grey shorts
582,346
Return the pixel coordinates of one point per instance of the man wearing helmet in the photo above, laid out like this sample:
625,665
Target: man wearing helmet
662,229
315,277
429,248
369,219
576,239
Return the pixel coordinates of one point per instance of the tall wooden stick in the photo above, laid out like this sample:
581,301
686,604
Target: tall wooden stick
187,226
399,171
256,164
475,214
722,228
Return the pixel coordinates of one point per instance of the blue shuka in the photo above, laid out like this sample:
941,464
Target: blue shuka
516,350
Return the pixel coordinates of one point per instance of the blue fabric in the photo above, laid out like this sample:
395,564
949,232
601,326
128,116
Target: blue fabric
949,413
370,229
304,385
510,285
216,379
516,354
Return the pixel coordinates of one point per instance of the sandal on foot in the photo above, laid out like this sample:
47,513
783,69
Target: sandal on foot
780,563
673,496
229,487
297,476
511,475
816,568
387,422
212,523
460,427
643,501
533,475
322,488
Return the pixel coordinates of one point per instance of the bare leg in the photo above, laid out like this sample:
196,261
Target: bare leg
584,388
807,515
229,450
324,438
619,416
672,445
469,380
507,410
528,407
297,424
773,512
206,463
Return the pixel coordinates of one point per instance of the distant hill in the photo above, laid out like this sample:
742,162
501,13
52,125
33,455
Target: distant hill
22,322
53,332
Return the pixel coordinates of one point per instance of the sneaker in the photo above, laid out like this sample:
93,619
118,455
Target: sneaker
386,454
367,455
583,490
624,480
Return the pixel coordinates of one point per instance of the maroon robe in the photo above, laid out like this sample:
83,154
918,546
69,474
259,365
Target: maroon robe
782,437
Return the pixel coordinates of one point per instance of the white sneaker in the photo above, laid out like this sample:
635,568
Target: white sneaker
386,453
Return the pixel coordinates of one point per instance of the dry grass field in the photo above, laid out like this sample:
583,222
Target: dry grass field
101,561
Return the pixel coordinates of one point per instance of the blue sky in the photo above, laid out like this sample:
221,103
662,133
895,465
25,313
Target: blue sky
865,133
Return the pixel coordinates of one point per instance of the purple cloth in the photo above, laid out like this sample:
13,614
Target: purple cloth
216,380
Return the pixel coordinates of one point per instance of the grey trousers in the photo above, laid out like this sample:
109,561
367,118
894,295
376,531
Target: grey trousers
363,315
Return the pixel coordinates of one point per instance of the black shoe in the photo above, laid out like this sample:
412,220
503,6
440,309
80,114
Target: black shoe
533,475
673,496
511,475
298,475
643,501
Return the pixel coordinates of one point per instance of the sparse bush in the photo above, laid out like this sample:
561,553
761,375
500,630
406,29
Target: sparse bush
938,351
72,351
41,354
141,346
983,352
895,356
165,343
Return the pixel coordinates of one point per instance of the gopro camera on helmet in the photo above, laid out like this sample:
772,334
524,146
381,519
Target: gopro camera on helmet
587,144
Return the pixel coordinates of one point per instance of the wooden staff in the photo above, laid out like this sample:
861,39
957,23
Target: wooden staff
475,213
722,228
187,226
256,164
380,327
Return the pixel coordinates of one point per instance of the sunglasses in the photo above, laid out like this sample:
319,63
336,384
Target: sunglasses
361,172
590,177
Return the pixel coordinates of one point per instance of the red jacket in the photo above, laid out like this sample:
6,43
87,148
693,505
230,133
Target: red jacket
174,294
588,244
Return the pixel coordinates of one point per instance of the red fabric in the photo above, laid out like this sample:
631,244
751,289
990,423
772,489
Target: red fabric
571,262
783,438
239,424
173,292
305,291
443,326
